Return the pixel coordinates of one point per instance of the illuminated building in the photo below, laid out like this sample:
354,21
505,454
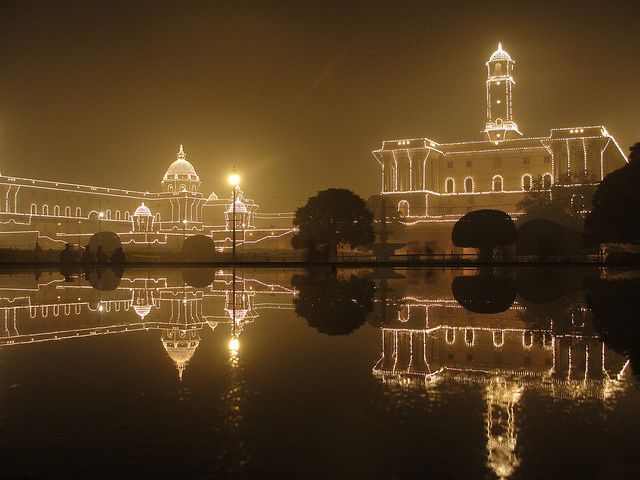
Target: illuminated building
54,213
432,184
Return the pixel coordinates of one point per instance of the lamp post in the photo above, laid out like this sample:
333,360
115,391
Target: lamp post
234,180
234,343
100,216
184,230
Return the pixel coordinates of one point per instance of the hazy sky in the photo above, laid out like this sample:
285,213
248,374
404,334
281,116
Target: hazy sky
295,94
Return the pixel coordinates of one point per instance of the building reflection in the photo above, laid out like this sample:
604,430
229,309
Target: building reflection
51,309
429,334
428,339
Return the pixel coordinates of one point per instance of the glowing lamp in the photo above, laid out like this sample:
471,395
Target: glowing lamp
101,214
234,179
234,345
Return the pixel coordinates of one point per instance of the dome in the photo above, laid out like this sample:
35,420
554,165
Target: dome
142,211
500,54
240,207
180,345
181,169
142,310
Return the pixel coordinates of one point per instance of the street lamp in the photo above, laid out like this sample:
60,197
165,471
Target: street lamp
234,180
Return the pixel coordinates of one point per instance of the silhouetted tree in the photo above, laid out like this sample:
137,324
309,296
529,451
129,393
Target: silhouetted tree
333,217
107,241
486,292
564,202
38,252
68,254
554,296
333,305
541,236
87,255
486,231
100,255
198,277
615,216
198,248
118,256
615,305
387,223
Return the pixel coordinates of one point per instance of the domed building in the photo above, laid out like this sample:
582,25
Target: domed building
181,176
142,219
180,345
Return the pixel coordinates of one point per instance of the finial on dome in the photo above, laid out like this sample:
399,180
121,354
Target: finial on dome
499,49
181,154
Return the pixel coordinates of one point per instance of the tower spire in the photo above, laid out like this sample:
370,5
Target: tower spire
181,154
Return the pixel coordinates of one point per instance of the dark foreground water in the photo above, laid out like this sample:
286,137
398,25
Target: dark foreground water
289,374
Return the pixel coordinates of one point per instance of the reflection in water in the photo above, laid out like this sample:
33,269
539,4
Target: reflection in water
33,310
434,338
502,396
333,304
507,335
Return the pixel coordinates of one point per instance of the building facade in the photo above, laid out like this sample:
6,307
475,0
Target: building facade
54,213
433,184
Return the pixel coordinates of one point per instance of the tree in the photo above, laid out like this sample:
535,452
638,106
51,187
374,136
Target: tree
198,248
564,202
333,305
615,305
486,231
485,292
333,217
615,217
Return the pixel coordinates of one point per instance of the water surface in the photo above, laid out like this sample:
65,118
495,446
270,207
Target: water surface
291,374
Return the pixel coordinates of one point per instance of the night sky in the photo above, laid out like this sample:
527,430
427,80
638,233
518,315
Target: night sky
296,95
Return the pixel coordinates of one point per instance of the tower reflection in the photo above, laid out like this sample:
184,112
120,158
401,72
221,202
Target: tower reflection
428,338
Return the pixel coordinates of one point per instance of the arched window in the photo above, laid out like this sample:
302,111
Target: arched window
193,188
182,187
157,217
497,183
498,338
56,211
577,202
117,214
170,188
78,212
34,209
450,336
546,181
127,215
469,337
449,186
403,313
45,209
468,185
403,208
108,215
526,182
67,211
